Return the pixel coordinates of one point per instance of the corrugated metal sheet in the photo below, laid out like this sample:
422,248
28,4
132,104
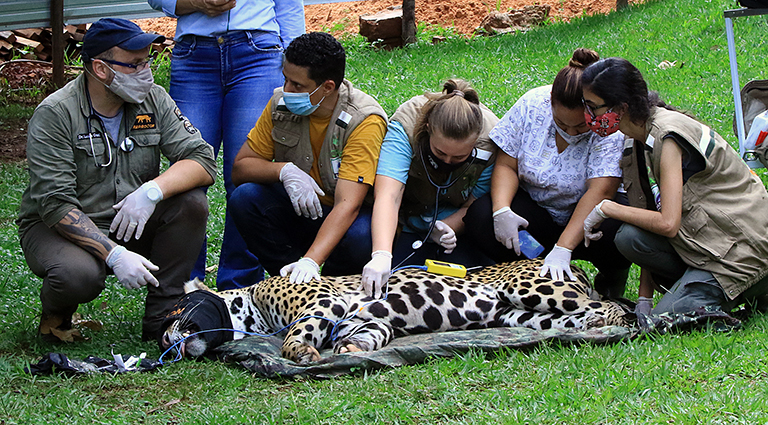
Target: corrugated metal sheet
35,13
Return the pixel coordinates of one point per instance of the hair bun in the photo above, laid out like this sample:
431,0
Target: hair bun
582,58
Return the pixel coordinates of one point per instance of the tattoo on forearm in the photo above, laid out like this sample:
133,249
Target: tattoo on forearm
78,228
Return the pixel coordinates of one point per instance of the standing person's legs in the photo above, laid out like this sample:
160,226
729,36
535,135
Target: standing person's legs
252,70
223,87
196,88
479,226
171,240
71,275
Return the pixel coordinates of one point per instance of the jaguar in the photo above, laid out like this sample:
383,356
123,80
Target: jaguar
335,312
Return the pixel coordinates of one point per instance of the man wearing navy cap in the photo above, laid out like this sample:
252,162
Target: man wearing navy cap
96,201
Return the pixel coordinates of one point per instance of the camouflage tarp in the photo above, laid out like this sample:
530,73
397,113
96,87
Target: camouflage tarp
262,355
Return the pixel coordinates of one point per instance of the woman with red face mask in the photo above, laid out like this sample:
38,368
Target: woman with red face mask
697,217
550,172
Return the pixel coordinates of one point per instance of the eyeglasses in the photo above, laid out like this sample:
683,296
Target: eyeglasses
138,66
589,108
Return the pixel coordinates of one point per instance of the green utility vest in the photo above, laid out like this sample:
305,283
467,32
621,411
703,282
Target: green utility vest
419,196
725,206
291,132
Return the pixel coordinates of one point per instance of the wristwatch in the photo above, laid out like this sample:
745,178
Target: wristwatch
154,193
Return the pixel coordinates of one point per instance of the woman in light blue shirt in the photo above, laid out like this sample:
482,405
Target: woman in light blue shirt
436,159
225,65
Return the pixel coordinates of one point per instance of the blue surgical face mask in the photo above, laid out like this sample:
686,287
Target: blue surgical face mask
299,103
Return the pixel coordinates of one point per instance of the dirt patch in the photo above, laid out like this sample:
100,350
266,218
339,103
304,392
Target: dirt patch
13,140
463,15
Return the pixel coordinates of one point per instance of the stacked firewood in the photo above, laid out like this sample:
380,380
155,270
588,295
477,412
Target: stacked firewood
36,43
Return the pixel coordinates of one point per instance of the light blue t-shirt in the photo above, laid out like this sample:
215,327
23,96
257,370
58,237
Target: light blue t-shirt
282,17
395,161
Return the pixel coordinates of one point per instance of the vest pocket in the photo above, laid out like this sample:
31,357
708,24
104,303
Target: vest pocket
704,236
285,137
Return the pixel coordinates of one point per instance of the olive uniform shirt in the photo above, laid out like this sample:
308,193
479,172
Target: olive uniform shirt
67,146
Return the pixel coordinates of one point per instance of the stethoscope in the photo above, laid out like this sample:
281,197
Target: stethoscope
126,145
418,244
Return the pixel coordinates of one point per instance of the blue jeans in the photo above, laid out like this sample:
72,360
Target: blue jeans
222,85
265,217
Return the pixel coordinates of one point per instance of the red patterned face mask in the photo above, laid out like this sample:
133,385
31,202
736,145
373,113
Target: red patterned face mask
605,124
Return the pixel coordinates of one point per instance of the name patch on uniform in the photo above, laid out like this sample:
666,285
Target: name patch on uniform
144,122
343,120
87,136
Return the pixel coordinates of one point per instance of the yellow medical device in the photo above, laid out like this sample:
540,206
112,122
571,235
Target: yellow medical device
448,269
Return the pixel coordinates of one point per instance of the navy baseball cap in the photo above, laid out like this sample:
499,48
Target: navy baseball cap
107,33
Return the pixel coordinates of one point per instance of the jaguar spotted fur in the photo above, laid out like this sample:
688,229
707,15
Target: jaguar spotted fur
335,311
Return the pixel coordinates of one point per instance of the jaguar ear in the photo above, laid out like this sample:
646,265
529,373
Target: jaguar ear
195,285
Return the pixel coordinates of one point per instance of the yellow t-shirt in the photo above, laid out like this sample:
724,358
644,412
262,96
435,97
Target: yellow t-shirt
358,160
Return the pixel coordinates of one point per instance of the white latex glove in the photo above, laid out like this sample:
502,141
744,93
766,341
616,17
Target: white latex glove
301,271
131,269
303,191
376,273
644,305
558,264
443,235
134,211
506,225
595,217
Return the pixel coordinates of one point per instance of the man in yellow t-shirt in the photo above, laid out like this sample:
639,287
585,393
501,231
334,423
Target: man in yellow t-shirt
307,167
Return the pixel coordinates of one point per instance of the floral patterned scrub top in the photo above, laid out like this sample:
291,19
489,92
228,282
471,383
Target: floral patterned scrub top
555,181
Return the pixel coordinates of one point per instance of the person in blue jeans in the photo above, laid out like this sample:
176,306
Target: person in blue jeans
225,65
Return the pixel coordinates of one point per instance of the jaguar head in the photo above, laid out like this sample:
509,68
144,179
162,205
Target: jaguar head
190,327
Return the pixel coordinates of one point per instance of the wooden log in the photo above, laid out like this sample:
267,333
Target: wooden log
34,45
384,25
30,33
8,36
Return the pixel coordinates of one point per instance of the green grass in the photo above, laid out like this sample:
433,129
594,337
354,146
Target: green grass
699,377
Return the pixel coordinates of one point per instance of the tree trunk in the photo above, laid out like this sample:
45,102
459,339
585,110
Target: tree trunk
409,21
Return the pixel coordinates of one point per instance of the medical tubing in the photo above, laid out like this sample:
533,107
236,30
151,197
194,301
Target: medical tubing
334,330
